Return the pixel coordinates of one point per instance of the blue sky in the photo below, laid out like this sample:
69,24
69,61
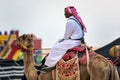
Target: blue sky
45,19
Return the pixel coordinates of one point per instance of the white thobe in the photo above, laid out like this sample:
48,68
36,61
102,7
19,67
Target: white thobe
74,31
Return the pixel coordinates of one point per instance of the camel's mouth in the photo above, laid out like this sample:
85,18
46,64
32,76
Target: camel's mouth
25,42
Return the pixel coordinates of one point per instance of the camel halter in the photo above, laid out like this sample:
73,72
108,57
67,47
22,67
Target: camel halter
24,48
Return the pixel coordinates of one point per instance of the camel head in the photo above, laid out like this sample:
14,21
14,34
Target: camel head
25,42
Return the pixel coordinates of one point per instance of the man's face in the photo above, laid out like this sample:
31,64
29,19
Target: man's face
67,15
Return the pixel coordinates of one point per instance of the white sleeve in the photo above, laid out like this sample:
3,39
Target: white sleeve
69,29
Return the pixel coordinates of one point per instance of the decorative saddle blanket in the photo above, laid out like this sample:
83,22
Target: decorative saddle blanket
68,70
68,67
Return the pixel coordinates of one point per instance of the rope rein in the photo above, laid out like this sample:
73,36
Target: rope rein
24,47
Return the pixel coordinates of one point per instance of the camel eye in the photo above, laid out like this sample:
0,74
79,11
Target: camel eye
32,35
29,40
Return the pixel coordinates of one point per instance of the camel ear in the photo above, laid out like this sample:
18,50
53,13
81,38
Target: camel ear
24,36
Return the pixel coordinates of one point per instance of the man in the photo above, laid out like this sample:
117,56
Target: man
73,36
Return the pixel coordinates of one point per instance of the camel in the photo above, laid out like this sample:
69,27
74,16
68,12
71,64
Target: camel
26,44
100,68
97,67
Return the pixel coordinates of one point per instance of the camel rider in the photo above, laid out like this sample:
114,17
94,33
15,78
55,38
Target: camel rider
73,36
115,52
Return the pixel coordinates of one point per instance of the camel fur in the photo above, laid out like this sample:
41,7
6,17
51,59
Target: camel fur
26,44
